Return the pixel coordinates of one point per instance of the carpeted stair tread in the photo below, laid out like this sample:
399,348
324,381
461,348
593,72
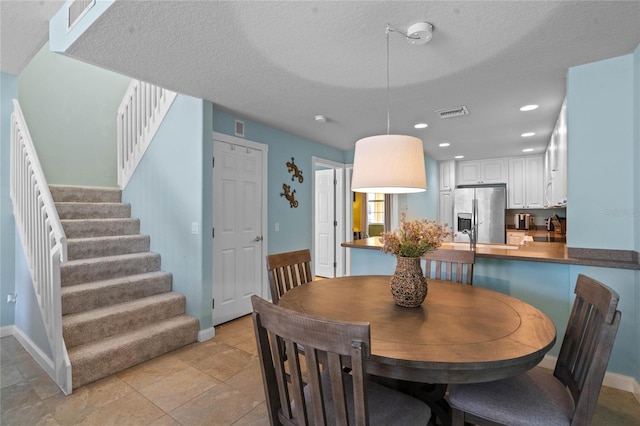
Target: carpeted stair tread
85,327
85,194
98,294
99,359
104,268
113,245
76,210
82,228
117,305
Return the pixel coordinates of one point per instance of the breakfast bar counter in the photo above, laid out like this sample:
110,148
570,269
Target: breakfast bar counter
548,252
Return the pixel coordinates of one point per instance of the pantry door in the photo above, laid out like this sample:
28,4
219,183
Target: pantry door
239,214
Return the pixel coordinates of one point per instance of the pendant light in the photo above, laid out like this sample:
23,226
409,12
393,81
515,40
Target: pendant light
392,164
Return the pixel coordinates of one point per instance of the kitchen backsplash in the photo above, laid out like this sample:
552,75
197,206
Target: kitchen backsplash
538,216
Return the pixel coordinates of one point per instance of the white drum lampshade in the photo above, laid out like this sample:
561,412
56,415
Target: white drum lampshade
389,164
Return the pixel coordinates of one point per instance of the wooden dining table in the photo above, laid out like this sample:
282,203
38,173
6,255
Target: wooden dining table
460,333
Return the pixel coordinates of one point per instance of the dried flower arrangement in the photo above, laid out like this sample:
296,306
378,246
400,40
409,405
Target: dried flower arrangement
414,238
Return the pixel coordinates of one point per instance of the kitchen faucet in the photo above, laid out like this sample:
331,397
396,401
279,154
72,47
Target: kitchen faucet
472,237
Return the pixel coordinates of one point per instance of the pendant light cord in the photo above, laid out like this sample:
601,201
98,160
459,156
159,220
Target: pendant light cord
388,89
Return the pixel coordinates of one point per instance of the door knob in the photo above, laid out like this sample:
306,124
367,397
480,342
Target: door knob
258,238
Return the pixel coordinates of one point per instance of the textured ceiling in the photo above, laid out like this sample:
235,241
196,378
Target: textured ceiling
281,63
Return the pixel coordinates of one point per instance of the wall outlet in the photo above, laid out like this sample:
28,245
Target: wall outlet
277,227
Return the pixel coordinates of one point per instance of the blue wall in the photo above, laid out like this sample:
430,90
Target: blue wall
603,104
423,205
600,154
71,108
8,92
166,194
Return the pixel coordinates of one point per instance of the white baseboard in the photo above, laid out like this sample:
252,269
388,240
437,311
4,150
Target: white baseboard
612,380
206,334
38,356
7,330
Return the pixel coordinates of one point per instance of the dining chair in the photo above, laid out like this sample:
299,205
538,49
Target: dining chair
446,260
331,396
569,395
288,270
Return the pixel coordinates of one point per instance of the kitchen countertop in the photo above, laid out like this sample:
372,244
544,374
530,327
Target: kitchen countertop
548,252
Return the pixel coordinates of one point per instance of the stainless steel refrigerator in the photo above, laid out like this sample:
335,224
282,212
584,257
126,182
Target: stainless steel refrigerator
480,207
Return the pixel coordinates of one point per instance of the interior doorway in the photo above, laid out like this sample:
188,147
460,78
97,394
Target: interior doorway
331,216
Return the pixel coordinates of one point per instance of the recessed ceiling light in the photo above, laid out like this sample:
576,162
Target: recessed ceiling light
443,144
421,125
527,150
529,107
528,134
459,156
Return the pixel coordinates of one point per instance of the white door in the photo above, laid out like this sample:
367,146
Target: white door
237,221
325,238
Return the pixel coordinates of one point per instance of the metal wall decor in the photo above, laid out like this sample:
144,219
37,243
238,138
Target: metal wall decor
293,169
289,195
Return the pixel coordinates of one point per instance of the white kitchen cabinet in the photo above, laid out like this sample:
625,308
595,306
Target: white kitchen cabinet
447,175
445,209
525,189
482,172
555,173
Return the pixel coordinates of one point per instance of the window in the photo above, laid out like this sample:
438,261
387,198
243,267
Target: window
375,209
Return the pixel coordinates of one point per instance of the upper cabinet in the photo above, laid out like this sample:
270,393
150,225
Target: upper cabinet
555,164
447,175
526,182
482,172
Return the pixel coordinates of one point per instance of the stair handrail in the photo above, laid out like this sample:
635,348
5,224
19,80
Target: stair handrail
43,239
140,114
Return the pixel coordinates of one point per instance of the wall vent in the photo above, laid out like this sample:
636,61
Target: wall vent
240,128
453,112
77,9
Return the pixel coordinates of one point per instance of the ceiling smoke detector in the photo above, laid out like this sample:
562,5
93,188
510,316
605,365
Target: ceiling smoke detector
420,33
453,112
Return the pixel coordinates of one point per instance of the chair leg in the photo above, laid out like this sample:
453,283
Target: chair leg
457,417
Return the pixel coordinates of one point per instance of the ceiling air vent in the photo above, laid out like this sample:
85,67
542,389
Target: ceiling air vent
453,112
240,128
77,9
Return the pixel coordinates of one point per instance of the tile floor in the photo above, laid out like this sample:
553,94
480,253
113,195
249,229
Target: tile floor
217,382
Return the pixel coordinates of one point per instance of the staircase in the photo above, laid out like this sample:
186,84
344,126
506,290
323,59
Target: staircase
118,309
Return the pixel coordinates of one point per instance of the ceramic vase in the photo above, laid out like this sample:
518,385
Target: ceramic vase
408,284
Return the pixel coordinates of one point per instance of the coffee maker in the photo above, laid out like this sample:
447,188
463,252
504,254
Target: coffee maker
522,220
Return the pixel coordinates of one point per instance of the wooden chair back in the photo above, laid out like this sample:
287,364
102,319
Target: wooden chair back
457,265
288,270
587,344
334,342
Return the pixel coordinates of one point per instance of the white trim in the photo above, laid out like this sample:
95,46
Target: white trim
36,353
206,334
266,293
636,390
348,202
341,211
7,330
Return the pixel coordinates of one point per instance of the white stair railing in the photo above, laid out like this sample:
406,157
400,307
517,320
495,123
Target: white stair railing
142,110
42,237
